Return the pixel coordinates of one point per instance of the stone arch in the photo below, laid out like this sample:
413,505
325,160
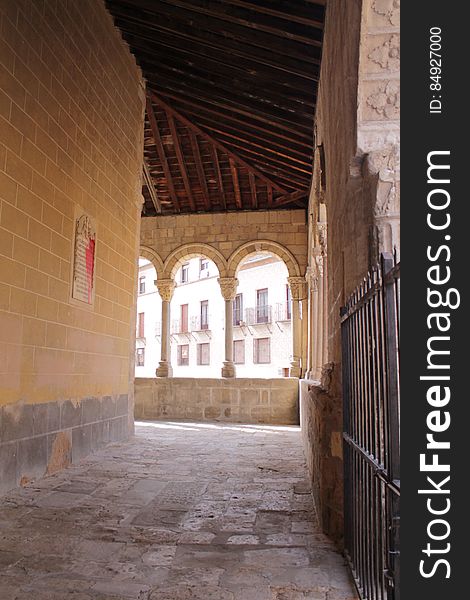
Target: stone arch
190,251
255,246
154,258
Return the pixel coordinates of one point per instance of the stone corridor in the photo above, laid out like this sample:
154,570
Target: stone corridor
181,512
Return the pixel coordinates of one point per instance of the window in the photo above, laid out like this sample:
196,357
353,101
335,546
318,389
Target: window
142,285
183,355
204,314
185,273
239,352
203,267
238,309
203,354
262,351
288,303
262,308
141,325
140,357
184,318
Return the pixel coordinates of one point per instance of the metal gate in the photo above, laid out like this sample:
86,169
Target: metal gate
370,349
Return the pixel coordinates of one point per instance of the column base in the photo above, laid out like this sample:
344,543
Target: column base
294,370
228,370
164,369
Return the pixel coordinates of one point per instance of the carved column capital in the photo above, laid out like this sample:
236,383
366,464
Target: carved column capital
165,289
298,287
228,287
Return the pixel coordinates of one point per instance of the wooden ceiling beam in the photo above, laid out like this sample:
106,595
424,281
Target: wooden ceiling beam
270,196
286,121
196,109
221,129
210,10
209,63
236,183
273,157
181,161
254,195
200,169
218,174
293,197
161,152
193,127
292,16
210,18
277,56
268,101
151,188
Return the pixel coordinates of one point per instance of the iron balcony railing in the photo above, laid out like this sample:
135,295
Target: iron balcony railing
178,326
258,315
199,324
283,311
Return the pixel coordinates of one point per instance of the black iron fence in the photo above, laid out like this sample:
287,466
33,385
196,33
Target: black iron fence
370,349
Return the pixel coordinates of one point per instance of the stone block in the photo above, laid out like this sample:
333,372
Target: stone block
70,414
122,405
59,451
8,466
91,410
108,407
212,412
32,458
99,434
16,422
81,442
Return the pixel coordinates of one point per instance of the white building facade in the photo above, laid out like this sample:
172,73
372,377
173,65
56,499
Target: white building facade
262,331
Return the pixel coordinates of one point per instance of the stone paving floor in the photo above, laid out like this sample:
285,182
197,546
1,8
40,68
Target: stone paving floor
181,512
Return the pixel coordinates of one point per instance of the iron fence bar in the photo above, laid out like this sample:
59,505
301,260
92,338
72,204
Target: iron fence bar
370,331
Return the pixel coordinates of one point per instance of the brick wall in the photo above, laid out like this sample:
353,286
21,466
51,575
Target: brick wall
71,115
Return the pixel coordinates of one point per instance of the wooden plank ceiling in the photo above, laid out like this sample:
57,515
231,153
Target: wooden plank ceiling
231,90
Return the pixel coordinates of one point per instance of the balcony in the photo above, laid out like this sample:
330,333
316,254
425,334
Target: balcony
178,326
259,315
198,324
283,311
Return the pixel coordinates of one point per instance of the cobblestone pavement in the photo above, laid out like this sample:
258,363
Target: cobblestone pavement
181,512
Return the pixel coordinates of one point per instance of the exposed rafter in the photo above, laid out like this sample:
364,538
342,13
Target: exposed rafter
151,189
212,140
161,152
231,94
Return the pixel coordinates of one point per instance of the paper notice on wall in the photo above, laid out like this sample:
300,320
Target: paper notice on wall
84,259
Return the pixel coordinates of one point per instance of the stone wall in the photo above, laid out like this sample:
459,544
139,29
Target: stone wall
356,187
319,417
270,401
226,239
71,129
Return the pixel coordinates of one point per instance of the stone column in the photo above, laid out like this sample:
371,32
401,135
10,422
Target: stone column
320,318
165,289
297,287
312,329
304,326
228,287
326,310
